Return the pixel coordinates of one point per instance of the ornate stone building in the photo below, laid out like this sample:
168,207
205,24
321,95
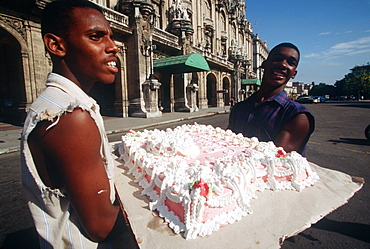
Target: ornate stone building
174,55
260,54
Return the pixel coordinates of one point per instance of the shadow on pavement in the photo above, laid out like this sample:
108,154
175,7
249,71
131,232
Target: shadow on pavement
24,239
354,230
351,141
358,104
28,238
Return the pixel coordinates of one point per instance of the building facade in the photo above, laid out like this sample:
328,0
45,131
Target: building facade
296,89
174,56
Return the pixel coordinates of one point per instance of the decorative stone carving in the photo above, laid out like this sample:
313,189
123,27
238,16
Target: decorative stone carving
180,18
191,94
209,30
150,90
115,17
238,55
136,9
154,84
16,24
179,11
146,10
193,87
42,3
223,42
122,49
147,45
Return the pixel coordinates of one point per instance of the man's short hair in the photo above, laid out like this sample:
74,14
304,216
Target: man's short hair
57,15
285,45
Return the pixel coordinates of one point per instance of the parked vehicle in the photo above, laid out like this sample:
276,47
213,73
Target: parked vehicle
320,99
367,132
306,100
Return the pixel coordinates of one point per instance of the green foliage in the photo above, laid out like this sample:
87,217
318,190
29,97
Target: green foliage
356,83
322,89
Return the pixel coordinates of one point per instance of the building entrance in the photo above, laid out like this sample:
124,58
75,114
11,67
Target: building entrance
12,92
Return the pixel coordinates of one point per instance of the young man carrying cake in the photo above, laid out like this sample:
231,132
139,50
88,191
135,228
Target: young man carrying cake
269,114
67,169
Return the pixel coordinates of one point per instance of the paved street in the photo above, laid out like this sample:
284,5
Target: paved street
338,143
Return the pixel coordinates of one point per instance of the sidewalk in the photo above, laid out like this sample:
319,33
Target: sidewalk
10,137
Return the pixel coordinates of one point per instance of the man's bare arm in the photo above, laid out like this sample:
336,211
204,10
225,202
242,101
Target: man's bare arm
72,148
294,133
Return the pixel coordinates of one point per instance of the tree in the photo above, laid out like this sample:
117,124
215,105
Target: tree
340,88
357,82
322,89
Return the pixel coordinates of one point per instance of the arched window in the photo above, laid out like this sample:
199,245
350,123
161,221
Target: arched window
207,9
233,35
223,21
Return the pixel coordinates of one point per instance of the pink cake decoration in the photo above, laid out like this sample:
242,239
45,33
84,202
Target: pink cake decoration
200,178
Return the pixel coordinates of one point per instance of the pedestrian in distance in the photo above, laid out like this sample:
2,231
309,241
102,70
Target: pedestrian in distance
67,168
269,114
232,102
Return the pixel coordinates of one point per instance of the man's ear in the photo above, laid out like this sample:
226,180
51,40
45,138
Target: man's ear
295,73
55,44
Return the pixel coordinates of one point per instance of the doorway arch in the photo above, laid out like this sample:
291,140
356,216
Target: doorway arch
211,90
105,96
226,86
12,84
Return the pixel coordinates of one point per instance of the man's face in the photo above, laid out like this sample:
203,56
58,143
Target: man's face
281,66
90,48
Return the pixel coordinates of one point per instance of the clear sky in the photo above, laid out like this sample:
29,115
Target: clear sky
333,35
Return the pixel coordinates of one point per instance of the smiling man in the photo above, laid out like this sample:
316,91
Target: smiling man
67,168
269,114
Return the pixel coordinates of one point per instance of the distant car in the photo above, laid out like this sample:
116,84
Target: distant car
367,132
320,99
306,100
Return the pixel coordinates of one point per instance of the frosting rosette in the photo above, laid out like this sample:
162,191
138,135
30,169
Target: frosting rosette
171,143
200,178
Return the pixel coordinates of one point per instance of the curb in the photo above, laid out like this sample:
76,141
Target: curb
10,150
166,122
110,132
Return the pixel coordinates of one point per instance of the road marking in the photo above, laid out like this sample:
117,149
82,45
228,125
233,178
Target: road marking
357,151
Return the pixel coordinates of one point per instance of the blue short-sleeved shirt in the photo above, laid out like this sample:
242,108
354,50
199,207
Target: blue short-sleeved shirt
268,118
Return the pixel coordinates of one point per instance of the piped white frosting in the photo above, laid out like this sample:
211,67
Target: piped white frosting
201,167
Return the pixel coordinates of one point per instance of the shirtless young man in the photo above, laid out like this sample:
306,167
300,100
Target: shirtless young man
67,169
269,114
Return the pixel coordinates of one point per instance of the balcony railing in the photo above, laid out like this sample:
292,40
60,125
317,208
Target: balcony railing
165,37
115,16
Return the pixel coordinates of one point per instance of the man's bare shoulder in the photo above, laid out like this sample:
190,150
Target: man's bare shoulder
300,120
73,121
75,130
76,119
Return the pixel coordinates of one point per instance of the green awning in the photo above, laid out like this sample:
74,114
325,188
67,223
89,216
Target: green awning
251,82
181,64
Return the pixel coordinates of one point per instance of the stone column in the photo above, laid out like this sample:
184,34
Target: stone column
172,94
191,93
139,57
121,103
150,89
203,101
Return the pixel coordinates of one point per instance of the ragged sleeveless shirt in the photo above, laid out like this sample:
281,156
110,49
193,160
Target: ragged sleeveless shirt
55,220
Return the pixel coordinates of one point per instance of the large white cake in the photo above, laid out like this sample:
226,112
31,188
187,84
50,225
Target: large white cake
200,178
